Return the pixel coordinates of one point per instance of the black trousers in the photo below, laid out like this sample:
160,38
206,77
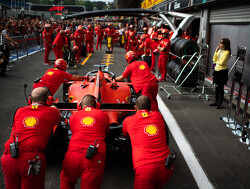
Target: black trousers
219,93
220,79
5,50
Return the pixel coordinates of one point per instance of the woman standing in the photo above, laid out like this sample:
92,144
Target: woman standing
221,57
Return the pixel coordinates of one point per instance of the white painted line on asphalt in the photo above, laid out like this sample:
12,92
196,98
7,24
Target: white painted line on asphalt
185,148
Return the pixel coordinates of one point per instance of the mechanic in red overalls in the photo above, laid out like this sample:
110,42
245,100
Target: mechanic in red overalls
151,44
160,37
147,132
96,28
58,44
54,77
47,37
79,41
31,129
154,32
89,126
109,32
68,39
99,33
145,35
143,81
90,39
133,43
163,48
126,36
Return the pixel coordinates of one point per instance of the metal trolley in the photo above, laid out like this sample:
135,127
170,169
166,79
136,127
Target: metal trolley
200,64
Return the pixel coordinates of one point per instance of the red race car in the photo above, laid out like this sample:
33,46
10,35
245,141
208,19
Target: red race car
115,98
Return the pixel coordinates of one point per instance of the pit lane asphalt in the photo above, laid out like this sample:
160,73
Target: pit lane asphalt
224,159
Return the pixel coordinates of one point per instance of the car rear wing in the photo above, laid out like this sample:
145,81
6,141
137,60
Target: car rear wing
107,107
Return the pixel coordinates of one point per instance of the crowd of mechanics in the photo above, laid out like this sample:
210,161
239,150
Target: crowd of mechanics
24,160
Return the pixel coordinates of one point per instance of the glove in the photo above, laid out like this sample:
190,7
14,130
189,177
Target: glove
113,77
34,167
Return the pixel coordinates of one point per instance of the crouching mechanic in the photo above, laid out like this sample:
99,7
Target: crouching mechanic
31,129
147,132
89,126
54,77
143,81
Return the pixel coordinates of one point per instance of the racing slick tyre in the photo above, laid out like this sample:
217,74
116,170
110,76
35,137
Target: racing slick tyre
147,59
182,47
50,150
84,51
66,56
174,68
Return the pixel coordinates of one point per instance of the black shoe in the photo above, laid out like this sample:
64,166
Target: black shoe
214,104
220,106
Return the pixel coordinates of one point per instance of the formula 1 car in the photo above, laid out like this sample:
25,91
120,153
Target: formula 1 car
115,98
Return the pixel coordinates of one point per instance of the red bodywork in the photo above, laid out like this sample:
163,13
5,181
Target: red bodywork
105,90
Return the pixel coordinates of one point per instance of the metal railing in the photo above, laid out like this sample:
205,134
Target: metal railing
27,45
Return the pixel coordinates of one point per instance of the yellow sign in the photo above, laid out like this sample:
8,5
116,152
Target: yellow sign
151,130
88,121
144,4
30,122
150,3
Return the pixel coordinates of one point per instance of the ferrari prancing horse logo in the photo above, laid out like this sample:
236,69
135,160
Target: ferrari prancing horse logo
87,121
151,130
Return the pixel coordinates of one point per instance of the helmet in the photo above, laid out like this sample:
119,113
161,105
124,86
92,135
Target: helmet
145,29
109,24
142,37
126,32
80,27
75,48
165,31
132,34
154,35
68,31
47,26
60,63
130,56
72,37
89,27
